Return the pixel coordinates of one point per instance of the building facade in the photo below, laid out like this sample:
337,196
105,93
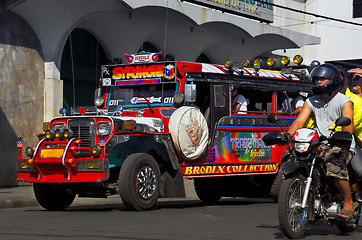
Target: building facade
337,23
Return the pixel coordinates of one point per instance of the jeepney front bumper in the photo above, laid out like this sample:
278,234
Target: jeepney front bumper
63,161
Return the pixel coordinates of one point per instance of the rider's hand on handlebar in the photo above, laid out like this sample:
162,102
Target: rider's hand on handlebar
286,139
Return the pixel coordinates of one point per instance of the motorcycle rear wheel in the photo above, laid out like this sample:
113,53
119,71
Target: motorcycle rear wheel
292,218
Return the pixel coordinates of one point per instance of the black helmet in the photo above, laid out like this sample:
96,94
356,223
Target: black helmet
327,71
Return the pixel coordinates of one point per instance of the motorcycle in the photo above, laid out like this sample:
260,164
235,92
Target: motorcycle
306,194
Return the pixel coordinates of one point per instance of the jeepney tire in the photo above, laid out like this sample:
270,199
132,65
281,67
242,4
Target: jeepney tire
275,187
208,190
139,182
53,197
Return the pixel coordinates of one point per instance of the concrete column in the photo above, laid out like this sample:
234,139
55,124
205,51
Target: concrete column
53,91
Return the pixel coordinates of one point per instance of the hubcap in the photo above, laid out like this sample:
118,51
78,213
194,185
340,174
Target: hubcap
146,183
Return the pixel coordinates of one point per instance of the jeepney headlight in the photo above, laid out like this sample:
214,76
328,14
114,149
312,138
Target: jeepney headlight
49,134
301,147
103,129
67,133
29,151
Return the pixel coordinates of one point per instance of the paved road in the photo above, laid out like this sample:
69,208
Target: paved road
238,218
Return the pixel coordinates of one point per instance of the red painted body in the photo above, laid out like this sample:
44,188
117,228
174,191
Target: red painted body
239,152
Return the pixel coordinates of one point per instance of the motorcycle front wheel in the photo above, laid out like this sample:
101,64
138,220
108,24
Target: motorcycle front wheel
292,218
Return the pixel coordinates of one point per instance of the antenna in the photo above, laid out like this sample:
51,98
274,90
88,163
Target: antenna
164,49
165,46
96,66
71,57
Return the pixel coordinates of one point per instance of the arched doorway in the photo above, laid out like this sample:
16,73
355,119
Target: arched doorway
148,47
202,58
80,68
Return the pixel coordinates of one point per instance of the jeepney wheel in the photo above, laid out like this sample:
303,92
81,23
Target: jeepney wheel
275,187
208,190
53,197
139,182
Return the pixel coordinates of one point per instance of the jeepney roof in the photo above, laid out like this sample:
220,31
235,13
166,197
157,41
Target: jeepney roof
264,79
165,72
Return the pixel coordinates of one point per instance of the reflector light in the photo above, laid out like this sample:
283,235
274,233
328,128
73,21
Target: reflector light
319,150
228,64
245,62
257,62
25,165
285,60
96,150
129,125
270,62
298,59
71,160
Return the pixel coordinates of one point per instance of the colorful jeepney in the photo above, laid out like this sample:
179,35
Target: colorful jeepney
155,124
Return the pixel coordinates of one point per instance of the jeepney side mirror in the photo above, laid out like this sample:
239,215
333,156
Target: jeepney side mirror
190,92
272,118
98,98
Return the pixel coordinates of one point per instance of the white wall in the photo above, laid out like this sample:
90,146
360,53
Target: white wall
339,41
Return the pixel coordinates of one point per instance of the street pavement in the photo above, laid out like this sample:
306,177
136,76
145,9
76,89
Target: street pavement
23,196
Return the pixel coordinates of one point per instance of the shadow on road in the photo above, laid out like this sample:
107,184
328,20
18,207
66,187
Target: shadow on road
161,204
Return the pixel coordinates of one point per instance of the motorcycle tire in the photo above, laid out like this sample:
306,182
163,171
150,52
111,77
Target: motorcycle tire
292,219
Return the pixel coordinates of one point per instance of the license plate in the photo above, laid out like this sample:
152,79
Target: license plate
51,153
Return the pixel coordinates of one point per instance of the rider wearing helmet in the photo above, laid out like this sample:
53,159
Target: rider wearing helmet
328,105
325,71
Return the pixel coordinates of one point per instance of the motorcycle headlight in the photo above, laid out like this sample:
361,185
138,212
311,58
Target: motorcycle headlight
103,129
301,147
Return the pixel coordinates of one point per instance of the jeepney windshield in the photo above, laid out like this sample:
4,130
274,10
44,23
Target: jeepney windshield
134,96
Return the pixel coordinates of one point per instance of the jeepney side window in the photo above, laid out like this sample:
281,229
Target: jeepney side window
203,96
258,102
290,103
219,96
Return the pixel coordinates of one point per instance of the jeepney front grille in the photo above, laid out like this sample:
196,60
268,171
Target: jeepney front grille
83,129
